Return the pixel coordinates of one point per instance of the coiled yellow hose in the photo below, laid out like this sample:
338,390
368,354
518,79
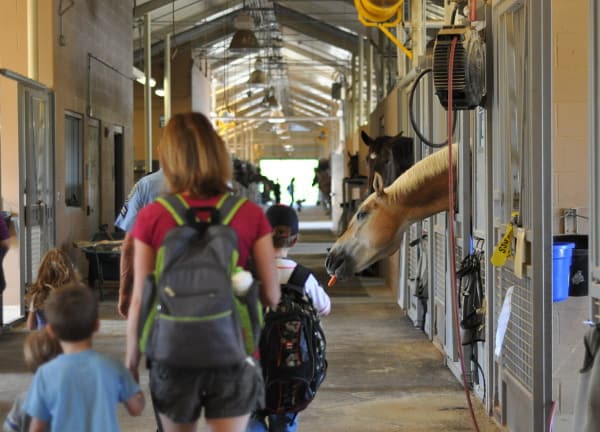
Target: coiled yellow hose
382,14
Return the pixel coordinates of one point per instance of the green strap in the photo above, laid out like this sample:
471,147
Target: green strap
229,205
176,205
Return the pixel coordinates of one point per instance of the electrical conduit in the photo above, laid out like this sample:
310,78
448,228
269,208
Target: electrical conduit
452,258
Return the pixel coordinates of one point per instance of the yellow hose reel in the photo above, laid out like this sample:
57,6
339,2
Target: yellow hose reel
382,14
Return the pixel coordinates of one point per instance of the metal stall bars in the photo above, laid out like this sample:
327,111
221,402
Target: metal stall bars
521,132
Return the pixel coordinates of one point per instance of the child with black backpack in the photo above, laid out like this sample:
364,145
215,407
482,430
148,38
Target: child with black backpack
291,381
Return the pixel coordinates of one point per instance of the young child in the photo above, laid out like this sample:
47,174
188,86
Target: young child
39,348
79,390
284,221
56,270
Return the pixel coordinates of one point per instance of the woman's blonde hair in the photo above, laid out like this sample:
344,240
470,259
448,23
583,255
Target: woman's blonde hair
56,270
193,157
40,348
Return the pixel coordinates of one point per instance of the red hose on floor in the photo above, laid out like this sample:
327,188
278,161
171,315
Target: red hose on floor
452,202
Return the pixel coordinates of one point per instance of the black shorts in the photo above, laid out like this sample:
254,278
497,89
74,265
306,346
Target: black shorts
180,394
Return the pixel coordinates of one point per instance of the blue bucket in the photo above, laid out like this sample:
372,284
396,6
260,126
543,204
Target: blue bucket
562,254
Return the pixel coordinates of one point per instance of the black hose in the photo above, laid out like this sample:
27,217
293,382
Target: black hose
413,121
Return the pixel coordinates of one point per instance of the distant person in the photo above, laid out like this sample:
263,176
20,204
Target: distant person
284,221
277,192
143,193
39,348
55,271
4,245
80,389
290,190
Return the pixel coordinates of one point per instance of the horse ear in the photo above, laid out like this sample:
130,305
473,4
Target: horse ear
366,138
378,184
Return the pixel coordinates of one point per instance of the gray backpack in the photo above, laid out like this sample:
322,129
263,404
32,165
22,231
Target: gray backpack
189,316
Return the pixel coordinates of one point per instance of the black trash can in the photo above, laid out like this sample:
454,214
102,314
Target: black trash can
578,276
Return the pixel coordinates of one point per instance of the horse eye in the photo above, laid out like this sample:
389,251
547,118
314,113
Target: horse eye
361,215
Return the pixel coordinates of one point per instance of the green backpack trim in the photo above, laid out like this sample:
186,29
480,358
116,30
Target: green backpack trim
245,321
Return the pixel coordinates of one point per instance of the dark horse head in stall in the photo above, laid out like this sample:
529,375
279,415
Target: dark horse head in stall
388,156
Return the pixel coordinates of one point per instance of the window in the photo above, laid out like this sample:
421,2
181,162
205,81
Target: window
73,160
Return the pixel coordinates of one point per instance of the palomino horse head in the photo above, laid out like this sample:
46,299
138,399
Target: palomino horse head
375,230
388,156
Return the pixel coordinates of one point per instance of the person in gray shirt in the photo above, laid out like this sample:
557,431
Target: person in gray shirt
143,193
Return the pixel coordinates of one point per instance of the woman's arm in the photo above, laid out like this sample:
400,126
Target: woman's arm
143,264
264,259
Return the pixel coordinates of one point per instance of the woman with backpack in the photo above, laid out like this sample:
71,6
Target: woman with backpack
198,170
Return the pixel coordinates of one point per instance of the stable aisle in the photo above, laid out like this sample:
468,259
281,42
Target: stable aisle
384,375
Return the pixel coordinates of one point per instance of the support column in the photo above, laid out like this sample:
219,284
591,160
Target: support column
32,40
369,77
167,78
360,77
148,92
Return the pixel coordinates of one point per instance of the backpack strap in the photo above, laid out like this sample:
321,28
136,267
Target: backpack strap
299,276
176,205
228,206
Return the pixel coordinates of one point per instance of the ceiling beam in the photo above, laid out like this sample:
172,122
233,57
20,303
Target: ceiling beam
318,29
149,6
208,32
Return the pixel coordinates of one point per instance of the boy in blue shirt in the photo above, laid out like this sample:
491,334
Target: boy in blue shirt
79,390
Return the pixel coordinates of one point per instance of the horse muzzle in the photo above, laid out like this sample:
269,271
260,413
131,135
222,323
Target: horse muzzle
340,264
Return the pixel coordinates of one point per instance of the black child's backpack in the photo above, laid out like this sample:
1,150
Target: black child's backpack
292,349
189,316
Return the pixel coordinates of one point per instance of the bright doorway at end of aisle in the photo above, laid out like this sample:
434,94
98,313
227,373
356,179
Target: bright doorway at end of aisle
282,171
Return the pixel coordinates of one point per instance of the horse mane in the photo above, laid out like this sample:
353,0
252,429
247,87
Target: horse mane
418,175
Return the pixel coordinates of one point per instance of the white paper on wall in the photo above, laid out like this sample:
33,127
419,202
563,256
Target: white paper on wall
503,319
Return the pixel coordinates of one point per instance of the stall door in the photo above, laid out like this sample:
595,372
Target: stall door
36,149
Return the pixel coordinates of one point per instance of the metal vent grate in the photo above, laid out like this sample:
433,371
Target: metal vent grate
412,252
439,266
517,350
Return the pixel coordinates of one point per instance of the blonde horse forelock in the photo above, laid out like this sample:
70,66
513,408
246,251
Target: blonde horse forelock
419,173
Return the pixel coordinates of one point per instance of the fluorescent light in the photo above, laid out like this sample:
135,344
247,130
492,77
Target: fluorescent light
160,92
141,77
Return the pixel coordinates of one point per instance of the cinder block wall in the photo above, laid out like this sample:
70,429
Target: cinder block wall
104,30
570,181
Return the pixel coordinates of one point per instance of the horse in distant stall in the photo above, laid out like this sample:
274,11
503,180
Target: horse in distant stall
376,228
389,156
323,180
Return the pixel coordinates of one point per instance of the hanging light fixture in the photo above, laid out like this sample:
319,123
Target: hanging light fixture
258,77
244,40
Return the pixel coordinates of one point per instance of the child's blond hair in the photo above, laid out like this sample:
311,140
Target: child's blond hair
40,348
56,270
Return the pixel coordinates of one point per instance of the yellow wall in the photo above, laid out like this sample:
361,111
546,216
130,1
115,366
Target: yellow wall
104,30
181,100
570,107
13,56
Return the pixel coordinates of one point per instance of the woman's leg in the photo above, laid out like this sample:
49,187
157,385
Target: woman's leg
169,425
228,424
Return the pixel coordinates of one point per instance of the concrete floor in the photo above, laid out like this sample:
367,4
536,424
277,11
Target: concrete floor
384,375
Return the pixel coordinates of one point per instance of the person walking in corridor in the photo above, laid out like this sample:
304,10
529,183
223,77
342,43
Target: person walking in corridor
198,170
